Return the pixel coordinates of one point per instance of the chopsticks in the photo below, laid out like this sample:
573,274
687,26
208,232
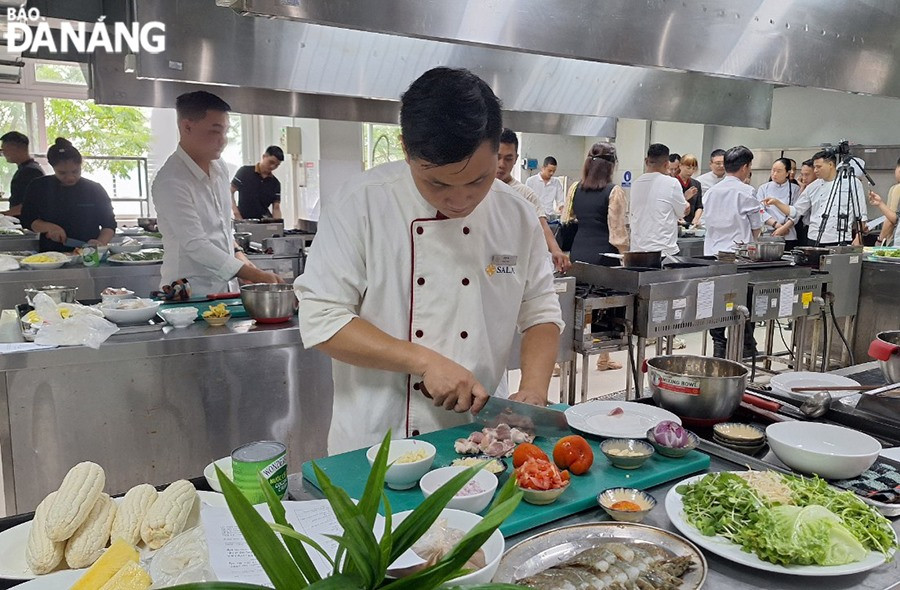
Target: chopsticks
835,388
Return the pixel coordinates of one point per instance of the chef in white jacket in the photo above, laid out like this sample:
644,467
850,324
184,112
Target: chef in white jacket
421,271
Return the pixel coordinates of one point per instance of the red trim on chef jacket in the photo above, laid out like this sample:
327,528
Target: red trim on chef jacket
412,275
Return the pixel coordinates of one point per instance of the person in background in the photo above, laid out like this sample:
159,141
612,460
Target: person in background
193,206
890,228
422,271
731,216
674,167
792,175
599,206
65,206
507,156
716,171
807,174
657,203
550,191
693,192
781,188
15,150
258,188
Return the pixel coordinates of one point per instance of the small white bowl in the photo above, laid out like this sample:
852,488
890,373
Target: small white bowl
433,480
832,452
210,472
179,317
403,476
113,313
117,297
465,521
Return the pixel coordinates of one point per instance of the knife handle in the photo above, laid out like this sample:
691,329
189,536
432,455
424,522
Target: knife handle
761,403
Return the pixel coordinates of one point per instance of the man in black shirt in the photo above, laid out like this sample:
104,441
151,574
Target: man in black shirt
15,149
257,187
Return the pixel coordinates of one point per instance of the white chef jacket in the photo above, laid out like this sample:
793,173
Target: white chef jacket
730,214
551,194
787,193
460,287
194,214
528,194
657,203
814,200
708,180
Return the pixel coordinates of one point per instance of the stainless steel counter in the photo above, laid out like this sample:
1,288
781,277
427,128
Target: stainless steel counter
90,281
690,247
158,406
878,305
29,241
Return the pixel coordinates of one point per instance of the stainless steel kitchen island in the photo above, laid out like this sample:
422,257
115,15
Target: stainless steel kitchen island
155,407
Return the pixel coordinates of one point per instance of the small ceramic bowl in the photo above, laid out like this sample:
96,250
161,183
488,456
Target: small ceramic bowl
743,434
607,499
486,481
403,476
218,321
210,473
179,317
542,497
497,466
674,452
626,453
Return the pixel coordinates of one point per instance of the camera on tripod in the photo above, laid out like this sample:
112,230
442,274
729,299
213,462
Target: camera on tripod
841,151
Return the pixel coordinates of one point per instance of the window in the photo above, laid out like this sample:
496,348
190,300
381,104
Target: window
60,73
233,154
382,144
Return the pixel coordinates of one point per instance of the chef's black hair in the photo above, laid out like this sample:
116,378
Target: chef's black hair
674,158
194,105
446,114
657,153
809,163
62,150
715,154
550,161
14,137
788,164
509,136
277,152
826,155
737,157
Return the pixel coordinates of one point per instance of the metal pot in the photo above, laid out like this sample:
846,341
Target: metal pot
269,303
243,239
56,293
642,259
886,348
702,391
809,256
766,251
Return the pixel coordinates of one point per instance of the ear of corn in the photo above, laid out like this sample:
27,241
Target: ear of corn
75,499
168,515
42,554
119,554
88,542
131,513
131,577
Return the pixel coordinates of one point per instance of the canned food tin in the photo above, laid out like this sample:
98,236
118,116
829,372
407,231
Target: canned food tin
90,256
267,457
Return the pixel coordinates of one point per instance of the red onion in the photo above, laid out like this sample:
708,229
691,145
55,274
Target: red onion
671,434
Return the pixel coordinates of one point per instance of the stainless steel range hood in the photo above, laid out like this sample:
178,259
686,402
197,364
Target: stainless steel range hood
837,45
215,46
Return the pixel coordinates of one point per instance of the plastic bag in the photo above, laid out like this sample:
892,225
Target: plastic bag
70,324
8,263
184,559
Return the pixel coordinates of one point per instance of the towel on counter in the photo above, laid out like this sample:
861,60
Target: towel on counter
880,482
179,290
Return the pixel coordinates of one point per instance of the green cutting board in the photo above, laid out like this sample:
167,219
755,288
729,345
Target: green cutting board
237,311
350,470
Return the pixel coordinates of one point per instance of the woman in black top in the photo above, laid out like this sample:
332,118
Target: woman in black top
66,206
693,192
599,206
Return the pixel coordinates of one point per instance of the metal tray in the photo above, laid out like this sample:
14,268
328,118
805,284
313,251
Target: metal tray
556,546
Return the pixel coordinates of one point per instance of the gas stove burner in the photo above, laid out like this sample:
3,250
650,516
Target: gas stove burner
585,290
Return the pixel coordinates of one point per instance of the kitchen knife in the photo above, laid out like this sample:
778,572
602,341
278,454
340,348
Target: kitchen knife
532,419
73,243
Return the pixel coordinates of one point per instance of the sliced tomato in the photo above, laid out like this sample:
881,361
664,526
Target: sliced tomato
540,474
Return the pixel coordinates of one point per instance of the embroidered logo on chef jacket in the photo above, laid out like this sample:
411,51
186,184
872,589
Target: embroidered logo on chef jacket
502,264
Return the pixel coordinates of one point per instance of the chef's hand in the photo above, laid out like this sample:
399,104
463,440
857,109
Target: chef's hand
561,262
527,396
782,230
250,274
690,193
770,201
875,199
56,233
452,386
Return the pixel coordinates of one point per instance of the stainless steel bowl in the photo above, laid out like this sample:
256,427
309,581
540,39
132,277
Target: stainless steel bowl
269,303
765,251
891,367
702,391
57,294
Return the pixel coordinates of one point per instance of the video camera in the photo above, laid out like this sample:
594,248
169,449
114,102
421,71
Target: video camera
841,151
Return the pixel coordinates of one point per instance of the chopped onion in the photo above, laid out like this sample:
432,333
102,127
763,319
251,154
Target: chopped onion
671,434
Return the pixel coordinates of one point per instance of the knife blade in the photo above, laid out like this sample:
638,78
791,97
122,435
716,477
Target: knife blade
532,419
73,243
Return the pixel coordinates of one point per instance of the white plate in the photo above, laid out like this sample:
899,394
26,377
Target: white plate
891,453
13,540
43,265
733,552
113,260
785,381
54,581
593,417
131,231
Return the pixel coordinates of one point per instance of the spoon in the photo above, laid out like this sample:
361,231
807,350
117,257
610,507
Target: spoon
816,404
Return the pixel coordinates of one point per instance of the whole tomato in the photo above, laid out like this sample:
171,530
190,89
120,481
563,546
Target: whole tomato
573,453
527,451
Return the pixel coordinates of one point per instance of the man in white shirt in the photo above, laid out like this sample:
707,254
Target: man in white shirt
732,215
716,171
549,190
834,225
507,156
657,203
423,270
193,203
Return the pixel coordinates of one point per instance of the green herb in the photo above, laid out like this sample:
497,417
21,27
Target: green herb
824,526
362,559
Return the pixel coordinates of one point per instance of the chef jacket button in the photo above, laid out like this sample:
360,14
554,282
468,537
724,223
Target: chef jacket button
420,230
465,282
419,333
420,281
463,334
415,432
466,230
417,385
